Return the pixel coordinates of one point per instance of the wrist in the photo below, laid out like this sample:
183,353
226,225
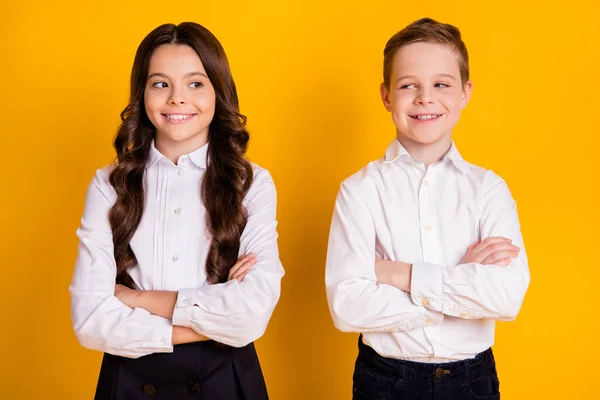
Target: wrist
136,299
403,276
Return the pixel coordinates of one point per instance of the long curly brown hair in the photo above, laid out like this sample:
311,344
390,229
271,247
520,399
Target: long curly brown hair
228,174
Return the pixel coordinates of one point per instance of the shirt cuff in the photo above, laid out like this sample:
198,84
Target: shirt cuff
427,285
163,338
182,314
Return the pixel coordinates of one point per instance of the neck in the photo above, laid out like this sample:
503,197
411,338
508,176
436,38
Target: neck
173,149
427,153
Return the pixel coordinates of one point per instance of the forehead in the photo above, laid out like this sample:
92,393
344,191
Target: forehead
424,58
175,59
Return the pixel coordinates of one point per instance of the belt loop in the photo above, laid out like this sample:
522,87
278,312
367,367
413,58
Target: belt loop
402,370
467,375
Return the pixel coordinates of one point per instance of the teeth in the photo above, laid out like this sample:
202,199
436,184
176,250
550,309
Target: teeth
426,117
178,116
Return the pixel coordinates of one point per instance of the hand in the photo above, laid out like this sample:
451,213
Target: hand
186,335
126,295
493,250
241,268
395,273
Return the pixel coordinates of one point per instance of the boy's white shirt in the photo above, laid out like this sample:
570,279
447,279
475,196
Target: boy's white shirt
397,209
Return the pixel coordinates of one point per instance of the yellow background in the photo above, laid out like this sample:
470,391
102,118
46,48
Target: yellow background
308,76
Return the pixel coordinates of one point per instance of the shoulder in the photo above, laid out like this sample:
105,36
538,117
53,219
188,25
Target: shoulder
484,179
261,179
261,176
262,190
365,182
100,184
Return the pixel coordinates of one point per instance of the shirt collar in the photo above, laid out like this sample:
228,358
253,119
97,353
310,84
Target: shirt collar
198,156
395,151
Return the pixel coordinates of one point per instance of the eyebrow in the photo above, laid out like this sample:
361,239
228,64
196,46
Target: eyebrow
188,75
415,77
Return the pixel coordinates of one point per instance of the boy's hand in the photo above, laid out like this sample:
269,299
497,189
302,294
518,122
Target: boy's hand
393,273
493,250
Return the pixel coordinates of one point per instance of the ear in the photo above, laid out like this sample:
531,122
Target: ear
385,97
466,94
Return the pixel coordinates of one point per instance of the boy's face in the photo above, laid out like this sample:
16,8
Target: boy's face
426,94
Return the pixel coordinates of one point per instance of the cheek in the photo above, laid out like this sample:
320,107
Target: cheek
152,108
451,102
399,103
206,102
151,102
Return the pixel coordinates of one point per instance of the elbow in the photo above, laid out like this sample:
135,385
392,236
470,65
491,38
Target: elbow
249,329
344,326
509,312
246,335
91,339
345,318
513,302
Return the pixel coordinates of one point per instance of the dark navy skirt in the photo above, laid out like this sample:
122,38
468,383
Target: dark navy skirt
202,370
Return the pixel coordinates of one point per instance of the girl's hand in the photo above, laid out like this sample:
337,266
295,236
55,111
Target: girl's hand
241,267
126,295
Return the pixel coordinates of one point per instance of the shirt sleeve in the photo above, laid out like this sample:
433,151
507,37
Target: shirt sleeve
100,320
476,291
237,313
356,301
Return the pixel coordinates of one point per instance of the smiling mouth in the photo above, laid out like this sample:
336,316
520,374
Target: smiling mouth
178,117
425,117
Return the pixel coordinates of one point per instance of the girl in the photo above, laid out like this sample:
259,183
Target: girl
168,221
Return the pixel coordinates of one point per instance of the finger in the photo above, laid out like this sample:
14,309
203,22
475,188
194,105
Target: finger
242,270
242,257
471,247
491,249
496,239
242,276
499,255
242,261
490,241
505,262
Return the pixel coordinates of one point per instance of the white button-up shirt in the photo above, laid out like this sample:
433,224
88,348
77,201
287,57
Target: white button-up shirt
398,210
171,245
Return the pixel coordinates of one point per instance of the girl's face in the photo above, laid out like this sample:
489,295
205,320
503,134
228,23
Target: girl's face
179,100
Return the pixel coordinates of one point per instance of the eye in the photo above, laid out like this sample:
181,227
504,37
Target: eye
160,85
408,86
441,85
196,85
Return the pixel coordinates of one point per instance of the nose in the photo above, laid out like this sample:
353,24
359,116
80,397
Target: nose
177,97
424,96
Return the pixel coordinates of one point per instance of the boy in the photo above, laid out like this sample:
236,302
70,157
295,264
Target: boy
425,249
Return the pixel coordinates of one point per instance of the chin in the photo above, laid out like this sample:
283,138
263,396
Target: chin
425,139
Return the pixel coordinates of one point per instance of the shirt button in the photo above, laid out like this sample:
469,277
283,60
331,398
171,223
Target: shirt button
464,314
149,390
179,172
426,182
185,302
162,341
425,302
428,228
177,211
175,257
429,322
193,387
